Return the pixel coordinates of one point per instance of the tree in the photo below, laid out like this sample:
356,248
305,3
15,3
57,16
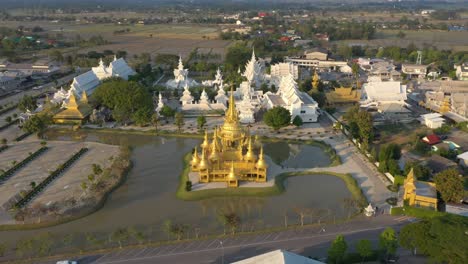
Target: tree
277,117
167,112
449,184
201,121
120,235
97,169
297,121
388,242
27,103
37,124
337,250
179,121
364,248
128,100
155,121
188,186
4,141
443,238
230,220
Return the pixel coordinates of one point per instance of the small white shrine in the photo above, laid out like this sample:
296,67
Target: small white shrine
160,104
204,104
216,82
181,78
253,71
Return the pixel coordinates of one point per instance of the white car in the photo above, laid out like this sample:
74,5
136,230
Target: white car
67,262
37,87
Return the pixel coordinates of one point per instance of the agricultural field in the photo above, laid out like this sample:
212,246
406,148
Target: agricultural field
153,39
444,40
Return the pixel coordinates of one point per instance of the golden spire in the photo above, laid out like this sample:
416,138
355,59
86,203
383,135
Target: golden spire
203,163
195,158
445,107
214,148
232,174
205,143
410,176
84,98
72,102
231,113
315,80
250,156
261,162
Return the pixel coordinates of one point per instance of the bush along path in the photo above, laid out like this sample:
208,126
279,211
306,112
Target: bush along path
16,121
3,148
7,174
41,186
23,136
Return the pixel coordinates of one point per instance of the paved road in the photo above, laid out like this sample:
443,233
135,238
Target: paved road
309,241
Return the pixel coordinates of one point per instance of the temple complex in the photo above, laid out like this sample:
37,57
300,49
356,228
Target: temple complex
181,78
230,156
88,81
216,82
419,193
290,97
74,112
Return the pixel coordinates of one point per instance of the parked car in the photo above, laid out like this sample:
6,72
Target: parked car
67,262
37,87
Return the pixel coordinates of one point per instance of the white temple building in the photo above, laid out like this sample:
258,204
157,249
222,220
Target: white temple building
377,92
88,81
181,78
298,103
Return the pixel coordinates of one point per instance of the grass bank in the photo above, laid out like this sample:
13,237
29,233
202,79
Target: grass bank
276,189
416,212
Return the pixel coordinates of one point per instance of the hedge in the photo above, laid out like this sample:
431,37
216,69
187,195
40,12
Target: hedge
3,148
30,195
23,136
7,174
9,124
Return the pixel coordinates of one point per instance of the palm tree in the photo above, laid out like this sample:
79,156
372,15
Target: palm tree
155,121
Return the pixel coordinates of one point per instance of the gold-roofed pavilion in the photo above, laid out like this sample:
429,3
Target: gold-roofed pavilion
230,156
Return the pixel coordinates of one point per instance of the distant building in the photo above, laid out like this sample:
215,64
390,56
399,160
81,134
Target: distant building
278,257
433,120
437,163
431,139
414,70
376,92
322,37
419,193
318,59
39,68
283,69
463,159
462,71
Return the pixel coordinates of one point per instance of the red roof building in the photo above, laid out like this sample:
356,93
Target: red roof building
262,14
431,139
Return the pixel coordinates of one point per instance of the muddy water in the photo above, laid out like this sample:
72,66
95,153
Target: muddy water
147,198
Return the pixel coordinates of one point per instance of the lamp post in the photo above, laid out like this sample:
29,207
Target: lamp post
222,248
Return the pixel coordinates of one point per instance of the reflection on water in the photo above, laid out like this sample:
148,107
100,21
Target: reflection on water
296,156
148,196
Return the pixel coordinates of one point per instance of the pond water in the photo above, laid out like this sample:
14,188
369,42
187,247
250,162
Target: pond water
147,198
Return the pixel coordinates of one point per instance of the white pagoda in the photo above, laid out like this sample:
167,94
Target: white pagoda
253,71
246,109
221,95
187,97
160,103
180,77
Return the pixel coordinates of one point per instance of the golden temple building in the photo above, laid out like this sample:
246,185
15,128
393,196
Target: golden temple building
315,81
343,95
230,156
420,193
74,112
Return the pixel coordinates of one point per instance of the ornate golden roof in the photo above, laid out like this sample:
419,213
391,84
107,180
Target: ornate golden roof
261,164
231,129
74,110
